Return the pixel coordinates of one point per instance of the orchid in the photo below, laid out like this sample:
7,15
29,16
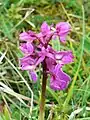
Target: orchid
37,50
36,54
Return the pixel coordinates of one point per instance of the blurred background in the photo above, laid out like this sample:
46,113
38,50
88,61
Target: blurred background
16,87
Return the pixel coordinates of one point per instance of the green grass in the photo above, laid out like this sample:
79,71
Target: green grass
19,98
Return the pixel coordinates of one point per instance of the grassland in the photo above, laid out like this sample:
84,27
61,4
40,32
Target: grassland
19,98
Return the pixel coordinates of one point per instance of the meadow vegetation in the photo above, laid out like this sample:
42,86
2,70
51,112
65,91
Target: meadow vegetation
19,96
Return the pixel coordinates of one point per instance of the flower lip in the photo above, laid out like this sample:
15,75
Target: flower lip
59,79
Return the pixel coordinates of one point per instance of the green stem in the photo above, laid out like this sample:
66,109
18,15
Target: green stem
44,82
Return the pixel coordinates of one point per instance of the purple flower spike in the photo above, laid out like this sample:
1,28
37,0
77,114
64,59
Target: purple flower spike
37,50
62,29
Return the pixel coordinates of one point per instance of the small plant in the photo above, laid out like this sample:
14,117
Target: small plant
37,50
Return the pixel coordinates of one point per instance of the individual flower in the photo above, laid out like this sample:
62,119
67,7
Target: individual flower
62,30
64,57
27,48
58,79
28,63
45,34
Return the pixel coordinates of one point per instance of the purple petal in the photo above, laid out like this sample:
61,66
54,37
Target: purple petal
50,64
27,36
40,60
62,38
27,63
50,56
29,48
62,29
64,57
67,57
59,80
24,36
23,47
33,75
45,35
45,28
